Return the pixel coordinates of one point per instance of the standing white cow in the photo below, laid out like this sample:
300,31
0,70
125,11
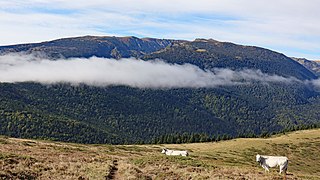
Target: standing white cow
174,152
272,161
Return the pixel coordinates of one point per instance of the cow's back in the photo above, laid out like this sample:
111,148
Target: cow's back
273,161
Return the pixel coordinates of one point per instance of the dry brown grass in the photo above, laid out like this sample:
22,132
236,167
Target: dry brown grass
233,159
302,148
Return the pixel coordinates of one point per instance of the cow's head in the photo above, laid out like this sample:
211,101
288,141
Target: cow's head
164,150
258,158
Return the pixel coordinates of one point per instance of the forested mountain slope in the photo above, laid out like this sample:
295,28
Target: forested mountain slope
121,114
209,54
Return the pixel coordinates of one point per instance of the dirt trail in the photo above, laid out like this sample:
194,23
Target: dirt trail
113,170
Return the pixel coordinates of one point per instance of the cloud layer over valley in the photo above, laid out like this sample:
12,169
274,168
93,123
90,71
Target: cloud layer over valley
103,72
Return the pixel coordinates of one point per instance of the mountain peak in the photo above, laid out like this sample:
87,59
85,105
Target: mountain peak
206,40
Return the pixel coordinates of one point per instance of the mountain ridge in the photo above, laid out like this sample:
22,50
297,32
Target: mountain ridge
215,54
313,66
103,46
218,54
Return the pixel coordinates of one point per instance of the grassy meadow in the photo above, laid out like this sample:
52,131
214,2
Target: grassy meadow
232,159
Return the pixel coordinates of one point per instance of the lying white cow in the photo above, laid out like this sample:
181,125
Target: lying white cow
174,152
272,161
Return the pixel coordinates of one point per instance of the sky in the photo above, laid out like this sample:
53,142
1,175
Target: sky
291,27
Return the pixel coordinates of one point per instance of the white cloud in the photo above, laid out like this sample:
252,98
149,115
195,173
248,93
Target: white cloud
129,72
315,83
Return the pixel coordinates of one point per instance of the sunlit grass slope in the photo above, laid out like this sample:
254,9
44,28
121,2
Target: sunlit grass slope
233,159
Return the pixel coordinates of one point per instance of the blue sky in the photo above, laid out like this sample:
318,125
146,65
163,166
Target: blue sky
288,26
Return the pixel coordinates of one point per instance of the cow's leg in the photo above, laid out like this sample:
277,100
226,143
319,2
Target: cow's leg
285,171
283,168
286,168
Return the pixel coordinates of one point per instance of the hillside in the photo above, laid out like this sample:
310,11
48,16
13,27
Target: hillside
233,159
119,114
129,115
209,54
313,66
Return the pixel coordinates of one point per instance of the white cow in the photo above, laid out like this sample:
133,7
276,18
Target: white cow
272,161
174,152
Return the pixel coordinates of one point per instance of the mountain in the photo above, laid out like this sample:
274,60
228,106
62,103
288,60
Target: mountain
206,54
201,52
209,54
87,46
313,66
121,114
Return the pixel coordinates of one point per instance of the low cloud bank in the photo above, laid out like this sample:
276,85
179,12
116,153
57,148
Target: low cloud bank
103,72
315,83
